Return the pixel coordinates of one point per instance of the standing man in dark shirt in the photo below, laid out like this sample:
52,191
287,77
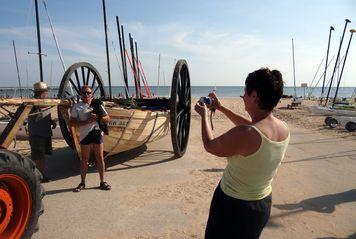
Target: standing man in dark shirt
40,125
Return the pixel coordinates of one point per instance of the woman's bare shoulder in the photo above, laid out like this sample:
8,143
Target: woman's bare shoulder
274,129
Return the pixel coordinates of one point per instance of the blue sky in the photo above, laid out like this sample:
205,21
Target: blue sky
221,40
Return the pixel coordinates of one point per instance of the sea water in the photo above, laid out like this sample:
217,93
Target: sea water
197,91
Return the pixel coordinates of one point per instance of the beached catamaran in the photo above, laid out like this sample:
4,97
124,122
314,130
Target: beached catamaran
134,121
335,108
342,113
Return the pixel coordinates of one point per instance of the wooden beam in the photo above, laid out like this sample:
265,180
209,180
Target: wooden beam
13,126
37,102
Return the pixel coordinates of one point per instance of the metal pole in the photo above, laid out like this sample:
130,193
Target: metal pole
134,66
17,68
337,59
124,50
295,91
39,40
159,66
343,65
122,53
137,68
326,64
107,49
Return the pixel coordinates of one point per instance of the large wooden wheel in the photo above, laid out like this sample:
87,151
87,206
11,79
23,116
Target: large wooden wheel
74,78
180,108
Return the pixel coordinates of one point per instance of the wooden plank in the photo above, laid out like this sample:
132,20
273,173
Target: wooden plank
37,102
76,143
112,149
13,126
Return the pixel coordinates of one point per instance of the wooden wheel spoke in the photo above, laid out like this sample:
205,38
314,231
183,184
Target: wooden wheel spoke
94,79
181,111
96,88
179,92
74,86
87,78
83,77
187,86
180,132
181,88
185,83
187,104
183,128
77,78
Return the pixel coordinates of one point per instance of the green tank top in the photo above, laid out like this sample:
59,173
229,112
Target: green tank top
249,178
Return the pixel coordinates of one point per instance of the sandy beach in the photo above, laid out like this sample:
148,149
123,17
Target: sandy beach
157,196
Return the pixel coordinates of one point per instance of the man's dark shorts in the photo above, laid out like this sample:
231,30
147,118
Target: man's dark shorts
94,137
40,146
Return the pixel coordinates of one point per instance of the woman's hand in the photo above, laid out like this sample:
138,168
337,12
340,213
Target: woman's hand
216,102
201,109
93,118
53,124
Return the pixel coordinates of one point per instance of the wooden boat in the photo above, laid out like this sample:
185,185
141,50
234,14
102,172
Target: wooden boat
133,122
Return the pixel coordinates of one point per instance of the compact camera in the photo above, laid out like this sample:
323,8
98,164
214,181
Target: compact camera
206,100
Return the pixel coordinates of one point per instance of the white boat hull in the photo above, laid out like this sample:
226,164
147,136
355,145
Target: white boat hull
328,111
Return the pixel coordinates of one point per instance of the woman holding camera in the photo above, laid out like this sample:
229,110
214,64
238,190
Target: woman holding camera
241,204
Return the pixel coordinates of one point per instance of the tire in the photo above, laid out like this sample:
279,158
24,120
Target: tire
327,119
350,126
332,123
21,196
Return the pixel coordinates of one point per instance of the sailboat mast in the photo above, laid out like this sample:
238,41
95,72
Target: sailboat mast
17,68
39,40
326,64
159,66
343,65
107,49
336,62
295,91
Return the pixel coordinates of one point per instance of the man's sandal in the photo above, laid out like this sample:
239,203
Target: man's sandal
80,187
104,186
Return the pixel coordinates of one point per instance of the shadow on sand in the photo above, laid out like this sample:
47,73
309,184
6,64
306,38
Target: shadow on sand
353,236
322,204
63,163
350,154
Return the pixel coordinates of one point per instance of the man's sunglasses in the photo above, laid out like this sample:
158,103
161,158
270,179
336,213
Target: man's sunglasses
86,92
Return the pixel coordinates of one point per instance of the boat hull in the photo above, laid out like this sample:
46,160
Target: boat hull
131,128
327,111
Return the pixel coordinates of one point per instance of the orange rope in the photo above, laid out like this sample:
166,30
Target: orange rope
134,73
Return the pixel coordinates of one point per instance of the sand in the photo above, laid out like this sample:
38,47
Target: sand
156,196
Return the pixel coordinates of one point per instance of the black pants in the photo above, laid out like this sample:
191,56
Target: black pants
234,218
